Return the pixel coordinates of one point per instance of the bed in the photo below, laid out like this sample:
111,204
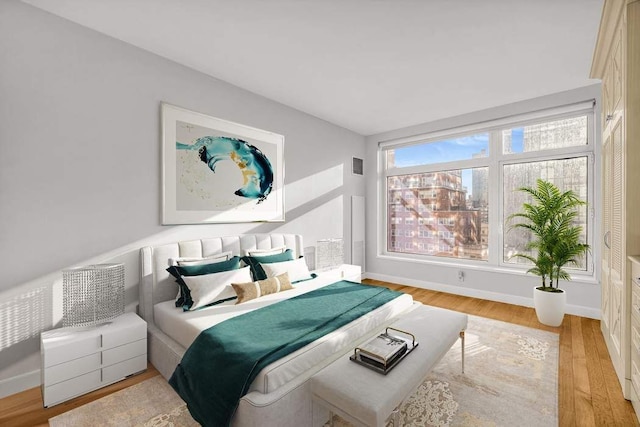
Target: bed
279,394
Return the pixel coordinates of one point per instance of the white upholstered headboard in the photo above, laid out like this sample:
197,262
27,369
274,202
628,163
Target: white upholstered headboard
156,285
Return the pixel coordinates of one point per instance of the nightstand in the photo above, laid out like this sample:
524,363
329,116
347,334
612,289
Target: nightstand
343,272
77,360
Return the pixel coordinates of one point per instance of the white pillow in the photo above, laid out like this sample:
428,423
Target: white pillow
297,269
266,252
211,259
209,288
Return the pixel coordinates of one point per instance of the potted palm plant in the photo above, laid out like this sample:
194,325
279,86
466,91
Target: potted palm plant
555,243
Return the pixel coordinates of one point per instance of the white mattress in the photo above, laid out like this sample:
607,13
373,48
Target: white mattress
184,327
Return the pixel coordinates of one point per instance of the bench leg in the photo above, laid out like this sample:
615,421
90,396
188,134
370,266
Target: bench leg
395,417
462,342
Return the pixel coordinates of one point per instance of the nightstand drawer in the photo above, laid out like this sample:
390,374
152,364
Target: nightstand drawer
123,369
124,352
117,335
71,369
66,347
71,388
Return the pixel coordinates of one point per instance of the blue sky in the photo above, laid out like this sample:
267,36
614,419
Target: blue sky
517,137
449,150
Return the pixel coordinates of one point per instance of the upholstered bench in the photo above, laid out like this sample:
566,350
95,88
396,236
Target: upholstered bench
365,397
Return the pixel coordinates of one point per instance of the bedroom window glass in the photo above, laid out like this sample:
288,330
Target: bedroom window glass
445,225
566,174
454,190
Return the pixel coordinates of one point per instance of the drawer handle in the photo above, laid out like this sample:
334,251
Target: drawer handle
608,118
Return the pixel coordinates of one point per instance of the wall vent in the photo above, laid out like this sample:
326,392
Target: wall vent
357,167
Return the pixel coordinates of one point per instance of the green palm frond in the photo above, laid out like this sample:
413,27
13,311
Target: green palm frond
551,220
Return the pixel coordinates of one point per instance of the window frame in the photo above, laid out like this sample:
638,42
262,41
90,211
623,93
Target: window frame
495,162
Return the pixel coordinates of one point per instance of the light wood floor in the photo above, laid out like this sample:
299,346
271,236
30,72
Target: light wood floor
588,392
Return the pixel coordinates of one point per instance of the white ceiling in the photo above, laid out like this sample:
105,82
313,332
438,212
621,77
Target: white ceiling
367,65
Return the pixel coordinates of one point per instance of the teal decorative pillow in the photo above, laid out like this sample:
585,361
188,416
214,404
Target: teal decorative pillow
198,270
254,262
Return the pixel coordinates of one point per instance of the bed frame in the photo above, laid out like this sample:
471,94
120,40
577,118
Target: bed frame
289,405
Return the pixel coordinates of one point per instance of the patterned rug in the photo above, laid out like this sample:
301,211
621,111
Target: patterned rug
149,403
511,378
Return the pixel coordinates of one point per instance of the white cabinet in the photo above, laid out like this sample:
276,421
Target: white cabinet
76,360
634,394
342,272
617,63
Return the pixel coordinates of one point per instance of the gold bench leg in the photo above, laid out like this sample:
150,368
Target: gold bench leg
395,417
462,342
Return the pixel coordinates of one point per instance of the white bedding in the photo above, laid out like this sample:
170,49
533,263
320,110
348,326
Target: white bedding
184,327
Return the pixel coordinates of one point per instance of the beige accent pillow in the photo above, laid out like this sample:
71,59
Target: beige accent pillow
253,290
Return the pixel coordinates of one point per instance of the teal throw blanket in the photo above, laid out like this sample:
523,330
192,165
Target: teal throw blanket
220,365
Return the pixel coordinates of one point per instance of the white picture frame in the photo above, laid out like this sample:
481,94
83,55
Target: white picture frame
217,171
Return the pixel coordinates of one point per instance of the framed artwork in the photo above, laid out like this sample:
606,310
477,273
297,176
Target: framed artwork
216,171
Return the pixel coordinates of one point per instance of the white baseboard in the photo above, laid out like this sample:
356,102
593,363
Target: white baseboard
577,310
19,383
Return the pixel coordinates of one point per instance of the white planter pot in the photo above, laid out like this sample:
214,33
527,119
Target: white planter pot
549,306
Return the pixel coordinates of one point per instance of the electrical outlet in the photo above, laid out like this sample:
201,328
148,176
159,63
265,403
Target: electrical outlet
460,276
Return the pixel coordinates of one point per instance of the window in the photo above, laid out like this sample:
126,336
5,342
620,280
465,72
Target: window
566,174
463,183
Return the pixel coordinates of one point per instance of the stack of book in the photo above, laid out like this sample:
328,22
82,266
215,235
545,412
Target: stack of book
384,351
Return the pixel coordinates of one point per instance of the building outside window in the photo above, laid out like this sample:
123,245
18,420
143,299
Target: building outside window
464,183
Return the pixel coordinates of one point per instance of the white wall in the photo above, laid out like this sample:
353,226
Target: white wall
583,297
80,166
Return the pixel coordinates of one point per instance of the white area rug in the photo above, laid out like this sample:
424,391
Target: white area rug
510,379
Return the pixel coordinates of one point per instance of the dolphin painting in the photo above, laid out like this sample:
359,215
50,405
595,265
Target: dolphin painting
254,165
